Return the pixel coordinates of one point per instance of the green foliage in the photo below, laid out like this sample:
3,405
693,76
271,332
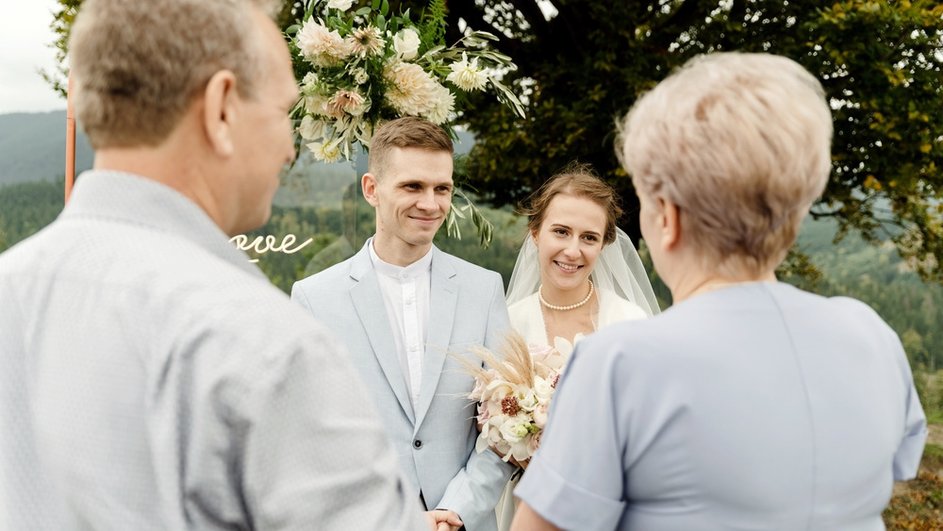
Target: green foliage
432,24
61,26
25,208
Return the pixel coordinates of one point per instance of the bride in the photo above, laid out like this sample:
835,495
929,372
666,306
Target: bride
576,272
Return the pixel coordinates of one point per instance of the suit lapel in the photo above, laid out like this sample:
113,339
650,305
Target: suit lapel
368,302
443,296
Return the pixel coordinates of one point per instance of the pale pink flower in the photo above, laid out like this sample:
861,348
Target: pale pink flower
366,41
346,102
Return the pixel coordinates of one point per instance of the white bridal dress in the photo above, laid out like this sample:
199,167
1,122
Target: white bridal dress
623,291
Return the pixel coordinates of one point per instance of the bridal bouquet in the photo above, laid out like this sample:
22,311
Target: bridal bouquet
365,66
513,394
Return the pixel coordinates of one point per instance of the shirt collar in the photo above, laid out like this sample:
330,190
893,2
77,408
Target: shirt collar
137,200
411,271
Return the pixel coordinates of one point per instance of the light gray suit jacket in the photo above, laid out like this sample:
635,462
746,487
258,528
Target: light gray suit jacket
435,441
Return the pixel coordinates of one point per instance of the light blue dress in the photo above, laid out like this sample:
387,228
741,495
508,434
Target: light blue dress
758,406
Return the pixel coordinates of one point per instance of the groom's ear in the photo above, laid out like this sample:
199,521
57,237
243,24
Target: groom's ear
368,184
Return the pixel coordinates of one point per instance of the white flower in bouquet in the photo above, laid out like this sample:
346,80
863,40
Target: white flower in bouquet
442,105
310,128
326,151
366,41
412,91
360,75
467,75
321,46
342,5
514,428
406,44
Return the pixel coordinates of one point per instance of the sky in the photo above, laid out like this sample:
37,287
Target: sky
24,50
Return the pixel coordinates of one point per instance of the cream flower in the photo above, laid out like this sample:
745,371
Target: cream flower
411,90
321,46
316,104
346,102
343,5
541,413
443,103
309,81
326,151
514,428
467,76
310,129
406,44
366,41
360,75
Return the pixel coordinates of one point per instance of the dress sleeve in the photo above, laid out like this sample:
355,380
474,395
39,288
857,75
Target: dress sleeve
576,479
907,457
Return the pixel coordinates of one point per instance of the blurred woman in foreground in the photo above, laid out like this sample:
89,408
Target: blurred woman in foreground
749,404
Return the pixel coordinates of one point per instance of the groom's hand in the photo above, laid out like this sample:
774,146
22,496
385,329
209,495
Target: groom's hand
443,520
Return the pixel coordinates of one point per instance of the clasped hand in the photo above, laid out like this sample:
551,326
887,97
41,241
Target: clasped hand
443,520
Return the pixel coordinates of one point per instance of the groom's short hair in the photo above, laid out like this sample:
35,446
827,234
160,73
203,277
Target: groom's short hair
137,66
406,132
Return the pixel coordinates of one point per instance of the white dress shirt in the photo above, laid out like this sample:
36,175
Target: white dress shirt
406,297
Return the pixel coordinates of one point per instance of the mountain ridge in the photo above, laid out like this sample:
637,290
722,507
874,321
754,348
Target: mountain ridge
32,147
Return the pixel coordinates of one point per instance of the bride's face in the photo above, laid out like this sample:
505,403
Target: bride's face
568,242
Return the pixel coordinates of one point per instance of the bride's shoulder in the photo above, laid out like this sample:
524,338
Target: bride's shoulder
618,309
524,307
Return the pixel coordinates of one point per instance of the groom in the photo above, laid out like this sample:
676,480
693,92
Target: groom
406,310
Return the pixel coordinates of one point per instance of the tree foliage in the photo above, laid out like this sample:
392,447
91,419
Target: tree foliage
583,65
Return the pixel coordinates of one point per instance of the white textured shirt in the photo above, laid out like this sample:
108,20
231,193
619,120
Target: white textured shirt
152,378
406,298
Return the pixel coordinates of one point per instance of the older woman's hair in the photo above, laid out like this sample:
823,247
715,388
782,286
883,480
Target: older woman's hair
740,142
137,65
405,132
577,180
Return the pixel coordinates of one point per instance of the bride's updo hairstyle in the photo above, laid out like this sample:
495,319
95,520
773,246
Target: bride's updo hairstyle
576,180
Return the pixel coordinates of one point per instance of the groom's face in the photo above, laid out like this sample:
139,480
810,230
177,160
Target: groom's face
412,195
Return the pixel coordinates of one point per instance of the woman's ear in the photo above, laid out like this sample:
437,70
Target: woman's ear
670,222
220,112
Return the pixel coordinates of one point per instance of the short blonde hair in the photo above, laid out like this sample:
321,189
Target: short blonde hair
405,132
741,143
577,180
137,65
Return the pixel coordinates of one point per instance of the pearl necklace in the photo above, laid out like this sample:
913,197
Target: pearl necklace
540,295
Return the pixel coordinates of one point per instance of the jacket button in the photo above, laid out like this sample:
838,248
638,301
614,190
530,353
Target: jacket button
417,444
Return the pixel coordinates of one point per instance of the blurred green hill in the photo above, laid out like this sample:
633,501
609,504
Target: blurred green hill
32,147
